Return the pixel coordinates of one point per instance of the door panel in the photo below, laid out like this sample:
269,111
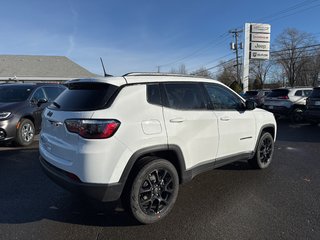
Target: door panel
189,124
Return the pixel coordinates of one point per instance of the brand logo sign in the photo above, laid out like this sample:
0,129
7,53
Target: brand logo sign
260,46
259,55
260,37
49,114
260,28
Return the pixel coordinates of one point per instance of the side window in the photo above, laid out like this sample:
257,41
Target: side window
38,94
184,96
52,92
298,93
222,98
153,94
307,93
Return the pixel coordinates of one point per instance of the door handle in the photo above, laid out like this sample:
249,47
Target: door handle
177,120
225,118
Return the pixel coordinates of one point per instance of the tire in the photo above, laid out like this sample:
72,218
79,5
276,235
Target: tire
264,152
153,192
25,132
296,115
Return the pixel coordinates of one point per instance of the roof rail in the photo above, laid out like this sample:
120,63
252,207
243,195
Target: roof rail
159,74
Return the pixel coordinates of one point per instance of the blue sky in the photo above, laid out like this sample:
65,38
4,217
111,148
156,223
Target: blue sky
139,35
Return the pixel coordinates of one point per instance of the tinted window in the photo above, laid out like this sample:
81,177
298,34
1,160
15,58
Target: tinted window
307,92
222,98
298,93
251,93
38,94
52,92
315,93
278,93
153,94
185,96
84,96
15,93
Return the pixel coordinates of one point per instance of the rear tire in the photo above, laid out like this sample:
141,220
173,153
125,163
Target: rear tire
153,192
25,132
264,152
296,115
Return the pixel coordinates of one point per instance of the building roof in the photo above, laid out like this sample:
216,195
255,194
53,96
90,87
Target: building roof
27,67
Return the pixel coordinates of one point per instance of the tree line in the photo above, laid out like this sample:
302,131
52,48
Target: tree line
294,61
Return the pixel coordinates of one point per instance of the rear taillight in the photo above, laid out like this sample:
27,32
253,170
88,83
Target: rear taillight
93,129
283,97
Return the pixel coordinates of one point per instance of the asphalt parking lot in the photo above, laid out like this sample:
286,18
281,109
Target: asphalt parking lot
233,202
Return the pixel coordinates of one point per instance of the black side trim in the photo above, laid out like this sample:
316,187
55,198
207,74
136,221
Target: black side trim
212,164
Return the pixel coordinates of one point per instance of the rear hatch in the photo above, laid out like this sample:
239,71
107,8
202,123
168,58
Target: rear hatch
313,101
78,102
277,97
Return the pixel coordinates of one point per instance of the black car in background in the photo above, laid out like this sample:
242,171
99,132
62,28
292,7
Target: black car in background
256,95
312,112
21,106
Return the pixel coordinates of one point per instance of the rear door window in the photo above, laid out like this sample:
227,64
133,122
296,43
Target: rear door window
184,96
84,96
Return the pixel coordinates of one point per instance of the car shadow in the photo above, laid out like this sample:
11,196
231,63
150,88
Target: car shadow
30,196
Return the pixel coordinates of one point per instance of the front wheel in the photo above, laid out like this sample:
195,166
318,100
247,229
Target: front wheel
296,115
154,191
25,132
264,152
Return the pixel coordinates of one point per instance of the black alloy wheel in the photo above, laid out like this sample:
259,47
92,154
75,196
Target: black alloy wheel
264,152
154,191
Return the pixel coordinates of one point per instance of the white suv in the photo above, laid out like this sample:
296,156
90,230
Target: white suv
141,135
288,102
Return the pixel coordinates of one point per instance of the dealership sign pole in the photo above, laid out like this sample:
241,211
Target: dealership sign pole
256,46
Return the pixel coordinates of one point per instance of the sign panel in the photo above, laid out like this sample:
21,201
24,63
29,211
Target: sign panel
260,28
263,55
260,46
260,37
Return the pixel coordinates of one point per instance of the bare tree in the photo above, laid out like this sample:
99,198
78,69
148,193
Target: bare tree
227,73
291,52
259,70
181,70
202,72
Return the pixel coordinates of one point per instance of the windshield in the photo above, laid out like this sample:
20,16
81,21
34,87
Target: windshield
14,93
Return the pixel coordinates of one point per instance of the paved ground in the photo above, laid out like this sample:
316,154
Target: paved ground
234,202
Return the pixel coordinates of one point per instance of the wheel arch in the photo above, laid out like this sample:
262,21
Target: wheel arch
171,153
270,128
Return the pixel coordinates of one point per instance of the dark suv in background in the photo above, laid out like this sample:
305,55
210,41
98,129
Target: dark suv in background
21,106
312,113
257,95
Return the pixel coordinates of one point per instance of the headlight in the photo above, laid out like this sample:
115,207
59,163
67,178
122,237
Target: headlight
4,115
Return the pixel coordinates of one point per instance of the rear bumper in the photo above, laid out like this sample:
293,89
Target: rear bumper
281,110
101,192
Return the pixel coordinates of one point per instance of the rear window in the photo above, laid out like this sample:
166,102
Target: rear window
84,96
278,93
315,93
251,93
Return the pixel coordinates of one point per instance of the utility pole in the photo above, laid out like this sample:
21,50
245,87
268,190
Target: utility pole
235,46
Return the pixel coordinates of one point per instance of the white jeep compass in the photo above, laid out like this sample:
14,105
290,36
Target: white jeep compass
141,135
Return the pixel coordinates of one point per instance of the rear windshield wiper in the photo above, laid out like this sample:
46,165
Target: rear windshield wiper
56,104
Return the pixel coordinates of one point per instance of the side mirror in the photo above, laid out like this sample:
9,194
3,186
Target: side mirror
250,105
41,101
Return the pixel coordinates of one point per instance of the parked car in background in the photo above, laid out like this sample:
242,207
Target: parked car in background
21,106
312,113
257,95
289,102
